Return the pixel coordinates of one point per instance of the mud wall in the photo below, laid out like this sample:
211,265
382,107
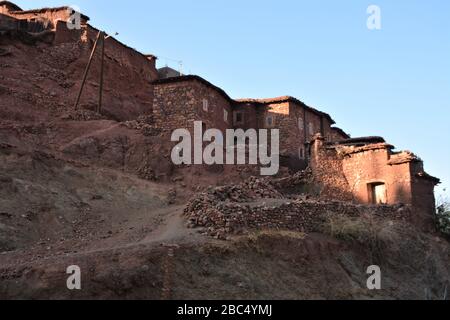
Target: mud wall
128,75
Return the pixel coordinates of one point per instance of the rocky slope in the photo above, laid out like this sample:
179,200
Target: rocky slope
99,191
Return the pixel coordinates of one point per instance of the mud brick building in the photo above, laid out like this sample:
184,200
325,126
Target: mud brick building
365,170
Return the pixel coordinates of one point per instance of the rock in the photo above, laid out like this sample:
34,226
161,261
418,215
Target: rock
5,215
97,197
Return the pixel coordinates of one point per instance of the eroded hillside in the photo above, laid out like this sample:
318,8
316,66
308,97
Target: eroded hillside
100,192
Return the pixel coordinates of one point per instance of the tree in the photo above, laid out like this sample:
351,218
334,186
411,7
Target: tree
443,214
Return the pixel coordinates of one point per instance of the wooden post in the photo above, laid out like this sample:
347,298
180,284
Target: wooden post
100,94
87,70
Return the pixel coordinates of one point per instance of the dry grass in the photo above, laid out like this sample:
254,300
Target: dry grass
256,235
365,231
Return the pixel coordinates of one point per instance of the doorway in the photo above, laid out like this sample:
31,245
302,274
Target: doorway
377,193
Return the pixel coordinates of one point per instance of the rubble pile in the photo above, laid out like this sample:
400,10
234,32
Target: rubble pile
81,115
144,124
293,181
257,204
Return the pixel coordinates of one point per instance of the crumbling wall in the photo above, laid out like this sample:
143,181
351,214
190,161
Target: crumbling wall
48,16
328,172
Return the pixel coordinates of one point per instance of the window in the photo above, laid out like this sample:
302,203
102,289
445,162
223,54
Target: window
301,124
225,115
269,121
238,118
301,153
205,105
311,128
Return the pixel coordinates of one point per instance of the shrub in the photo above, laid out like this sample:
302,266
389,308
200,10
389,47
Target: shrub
443,220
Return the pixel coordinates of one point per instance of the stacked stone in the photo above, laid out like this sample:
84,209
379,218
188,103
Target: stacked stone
145,125
299,178
256,204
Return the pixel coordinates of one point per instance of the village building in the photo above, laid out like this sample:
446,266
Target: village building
168,72
368,170
364,170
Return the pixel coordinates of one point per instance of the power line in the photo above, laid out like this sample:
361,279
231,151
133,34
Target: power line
179,62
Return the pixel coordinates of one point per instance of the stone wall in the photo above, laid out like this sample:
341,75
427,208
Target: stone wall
338,134
179,103
284,118
314,120
294,122
249,113
256,204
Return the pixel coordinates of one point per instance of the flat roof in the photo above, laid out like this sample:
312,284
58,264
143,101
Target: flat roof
288,99
188,78
43,10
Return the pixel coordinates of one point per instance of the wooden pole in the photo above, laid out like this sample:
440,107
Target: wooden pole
87,70
100,95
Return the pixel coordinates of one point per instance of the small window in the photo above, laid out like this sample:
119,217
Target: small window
269,121
301,124
205,105
238,118
301,153
225,115
311,128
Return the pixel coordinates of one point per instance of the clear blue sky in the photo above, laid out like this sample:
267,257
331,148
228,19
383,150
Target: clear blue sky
394,82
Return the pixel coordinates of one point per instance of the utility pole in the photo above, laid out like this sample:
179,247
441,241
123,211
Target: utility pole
87,70
181,67
100,94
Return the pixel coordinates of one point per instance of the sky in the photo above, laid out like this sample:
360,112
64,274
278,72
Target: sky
393,82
